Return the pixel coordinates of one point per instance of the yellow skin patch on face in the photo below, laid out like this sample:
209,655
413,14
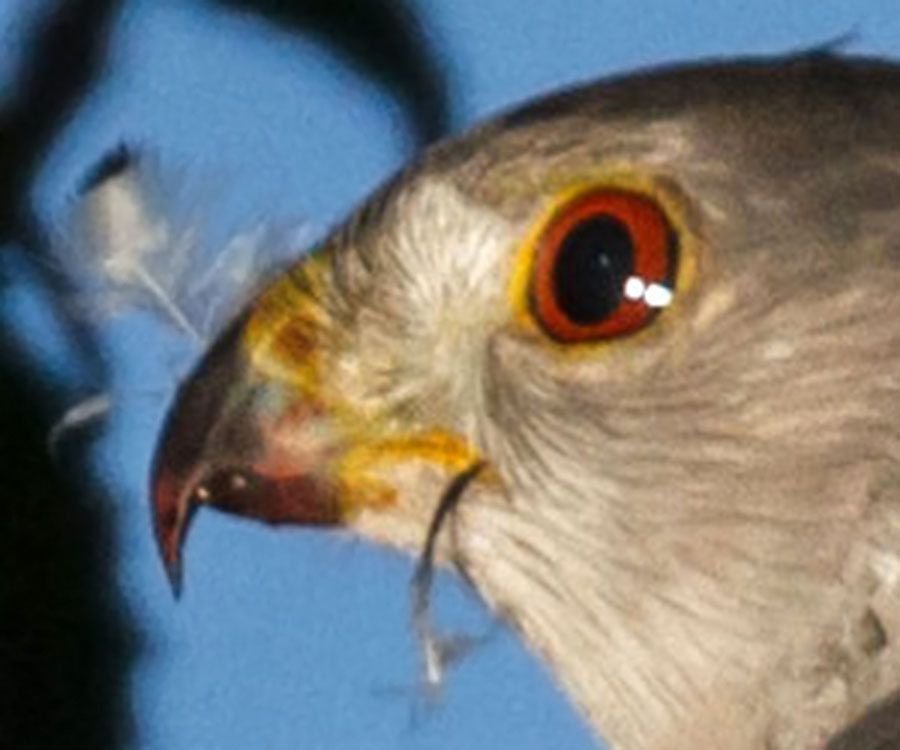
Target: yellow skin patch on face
519,288
285,326
283,339
359,468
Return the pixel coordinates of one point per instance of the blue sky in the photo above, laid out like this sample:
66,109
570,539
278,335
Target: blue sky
292,638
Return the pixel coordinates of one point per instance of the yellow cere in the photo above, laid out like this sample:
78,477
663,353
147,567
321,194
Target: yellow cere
283,338
282,334
564,191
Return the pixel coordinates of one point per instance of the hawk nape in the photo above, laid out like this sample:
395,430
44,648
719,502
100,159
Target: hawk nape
663,311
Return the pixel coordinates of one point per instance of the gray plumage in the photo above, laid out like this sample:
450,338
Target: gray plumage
697,526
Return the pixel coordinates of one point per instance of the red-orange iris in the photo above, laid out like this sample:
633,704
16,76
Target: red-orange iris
605,265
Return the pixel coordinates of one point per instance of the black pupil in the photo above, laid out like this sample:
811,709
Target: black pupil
594,262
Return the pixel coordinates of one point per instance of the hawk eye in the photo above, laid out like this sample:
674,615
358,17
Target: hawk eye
605,266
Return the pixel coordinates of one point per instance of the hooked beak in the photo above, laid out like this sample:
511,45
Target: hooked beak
259,430
215,451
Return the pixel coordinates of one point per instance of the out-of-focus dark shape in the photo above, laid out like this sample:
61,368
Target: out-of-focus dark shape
64,644
110,165
381,38
65,58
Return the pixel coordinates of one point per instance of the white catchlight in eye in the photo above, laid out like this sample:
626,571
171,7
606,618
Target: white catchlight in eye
654,295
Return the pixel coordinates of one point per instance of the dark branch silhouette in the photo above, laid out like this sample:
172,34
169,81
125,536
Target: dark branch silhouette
380,38
65,644
65,59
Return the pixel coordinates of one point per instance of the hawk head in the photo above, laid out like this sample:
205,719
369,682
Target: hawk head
663,312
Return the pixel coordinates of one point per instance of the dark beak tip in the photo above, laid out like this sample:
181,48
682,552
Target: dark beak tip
169,549
176,579
172,513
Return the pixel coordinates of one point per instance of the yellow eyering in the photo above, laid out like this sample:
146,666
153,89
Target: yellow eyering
520,280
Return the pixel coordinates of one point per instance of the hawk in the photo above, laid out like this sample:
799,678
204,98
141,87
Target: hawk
648,332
